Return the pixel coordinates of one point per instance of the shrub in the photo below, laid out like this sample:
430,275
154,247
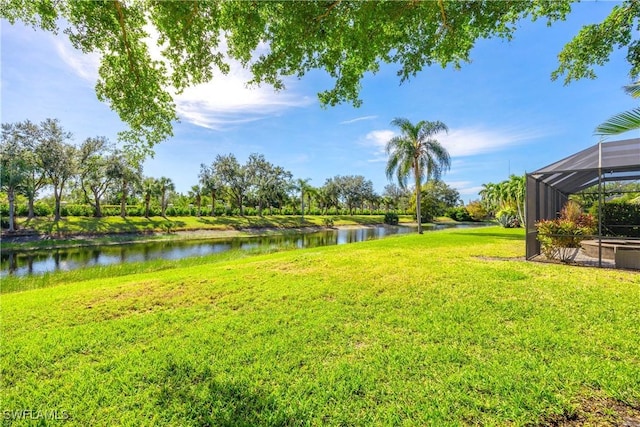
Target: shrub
42,209
459,213
558,237
167,226
391,218
477,212
622,219
327,221
507,218
76,210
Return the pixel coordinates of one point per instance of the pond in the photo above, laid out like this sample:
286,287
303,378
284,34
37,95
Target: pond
21,263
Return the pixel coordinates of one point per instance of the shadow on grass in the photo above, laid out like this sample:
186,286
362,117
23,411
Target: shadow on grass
191,394
256,222
493,235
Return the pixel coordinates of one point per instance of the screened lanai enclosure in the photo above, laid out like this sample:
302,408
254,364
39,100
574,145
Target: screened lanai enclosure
601,174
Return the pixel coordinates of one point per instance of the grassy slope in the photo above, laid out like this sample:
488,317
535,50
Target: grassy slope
413,329
141,224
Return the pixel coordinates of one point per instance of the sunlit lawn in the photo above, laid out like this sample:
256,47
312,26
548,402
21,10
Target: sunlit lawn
445,328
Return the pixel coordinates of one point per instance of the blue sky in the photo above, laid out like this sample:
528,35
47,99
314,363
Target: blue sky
504,113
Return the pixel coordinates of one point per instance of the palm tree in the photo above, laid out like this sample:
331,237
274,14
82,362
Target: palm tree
150,188
196,195
625,121
416,152
166,186
210,183
303,186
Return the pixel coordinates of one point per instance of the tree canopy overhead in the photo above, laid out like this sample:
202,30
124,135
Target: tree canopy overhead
275,39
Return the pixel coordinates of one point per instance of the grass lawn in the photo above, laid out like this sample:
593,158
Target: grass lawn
445,328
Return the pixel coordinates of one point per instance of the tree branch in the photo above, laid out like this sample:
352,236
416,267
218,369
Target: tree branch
444,15
326,13
127,46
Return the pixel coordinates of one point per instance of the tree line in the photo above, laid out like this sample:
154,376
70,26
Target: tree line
39,158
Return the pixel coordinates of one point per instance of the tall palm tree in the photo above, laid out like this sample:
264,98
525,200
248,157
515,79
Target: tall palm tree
625,121
416,152
303,186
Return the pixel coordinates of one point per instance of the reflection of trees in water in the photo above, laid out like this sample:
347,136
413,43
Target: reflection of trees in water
12,262
79,257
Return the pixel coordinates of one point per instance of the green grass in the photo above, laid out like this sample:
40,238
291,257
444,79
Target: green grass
408,330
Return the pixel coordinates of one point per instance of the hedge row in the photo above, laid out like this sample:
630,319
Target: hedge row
621,219
44,210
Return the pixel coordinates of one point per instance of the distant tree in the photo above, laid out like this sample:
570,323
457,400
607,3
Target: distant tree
234,176
57,158
195,194
26,137
262,175
329,195
166,186
14,168
150,190
436,198
127,171
625,121
96,170
277,187
302,185
395,196
211,183
416,152
353,190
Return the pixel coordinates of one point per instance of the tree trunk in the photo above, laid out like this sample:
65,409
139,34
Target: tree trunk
213,203
12,209
96,207
32,213
163,206
123,201
147,203
302,204
58,195
416,171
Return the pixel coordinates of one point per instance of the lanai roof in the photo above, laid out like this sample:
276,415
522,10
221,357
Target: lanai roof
619,160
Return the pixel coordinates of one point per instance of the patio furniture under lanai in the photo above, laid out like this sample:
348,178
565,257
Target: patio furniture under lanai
549,188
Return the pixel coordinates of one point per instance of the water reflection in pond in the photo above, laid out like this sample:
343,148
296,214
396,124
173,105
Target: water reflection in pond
22,263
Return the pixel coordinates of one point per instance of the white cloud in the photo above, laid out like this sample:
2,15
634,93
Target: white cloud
473,141
224,101
377,139
460,142
358,119
84,65
464,187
